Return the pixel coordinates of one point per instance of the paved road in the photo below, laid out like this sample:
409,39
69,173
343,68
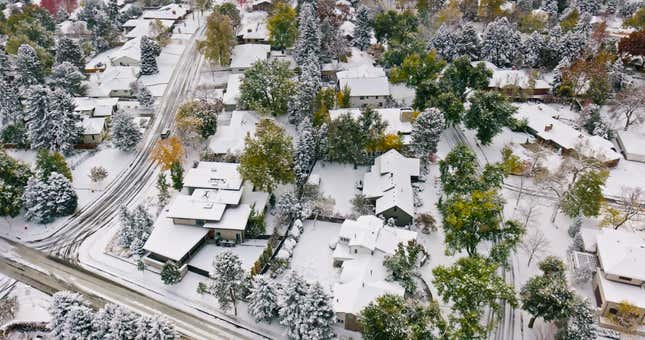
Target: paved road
49,274
140,173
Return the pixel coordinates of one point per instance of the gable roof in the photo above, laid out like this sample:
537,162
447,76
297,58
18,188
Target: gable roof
621,253
389,181
172,11
230,138
244,56
379,86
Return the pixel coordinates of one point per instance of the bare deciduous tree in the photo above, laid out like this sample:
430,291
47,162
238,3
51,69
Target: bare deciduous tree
535,245
630,103
629,207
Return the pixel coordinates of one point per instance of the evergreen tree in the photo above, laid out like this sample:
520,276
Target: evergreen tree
533,47
308,42
61,305
170,273
144,97
67,77
45,200
69,51
28,68
112,11
123,324
362,29
61,14
467,42
302,103
426,130
572,44
488,113
310,148
13,179
150,50
177,176
263,300
332,43
580,325
10,107
155,328
136,227
319,316
444,43
78,323
162,186
226,280
62,122
502,43
588,6
125,133
291,302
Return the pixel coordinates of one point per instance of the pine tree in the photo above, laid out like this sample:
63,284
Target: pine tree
444,43
125,133
426,130
62,122
309,149
308,42
150,50
177,175
572,44
28,68
102,319
467,42
144,97
227,280
66,76
6,68
63,194
580,325
61,14
45,200
170,273
488,113
333,44
612,5
301,105
155,328
123,324
319,316
78,323
163,196
362,29
68,50
61,305
502,42
533,47
263,300
136,227
10,107
588,6
557,74
291,301
112,11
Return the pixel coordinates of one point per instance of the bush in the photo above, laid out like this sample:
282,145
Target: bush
256,225
519,125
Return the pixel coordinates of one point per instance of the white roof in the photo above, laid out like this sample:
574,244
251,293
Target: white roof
173,240
232,94
234,218
130,51
378,86
195,208
369,232
114,78
253,25
621,253
539,116
256,199
230,138
144,27
102,107
389,182
347,28
633,143
92,126
361,71
244,56
172,11
69,27
214,175
218,196
502,78
390,115
618,292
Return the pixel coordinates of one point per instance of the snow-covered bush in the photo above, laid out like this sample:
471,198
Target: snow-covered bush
125,133
136,227
46,199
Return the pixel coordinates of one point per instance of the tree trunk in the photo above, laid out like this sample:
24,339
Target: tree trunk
233,299
555,212
532,321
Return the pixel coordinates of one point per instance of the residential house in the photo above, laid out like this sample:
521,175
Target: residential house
244,56
389,184
168,12
231,95
127,55
517,83
95,107
398,120
253,28
230,139
632,144
620,276
262,5
115,81
368,85
137,28
94,130
73,29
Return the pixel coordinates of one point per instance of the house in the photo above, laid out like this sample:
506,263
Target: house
389,184
127,55
216,208
140,27
95,107
73,29
620,275
262,5
516,83
632,144
231,95
94,130
253,28
360,249
168,12
115,81
543,124
244,56
229,139
368,85
398,120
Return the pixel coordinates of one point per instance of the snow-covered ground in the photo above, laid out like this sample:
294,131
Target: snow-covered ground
312,256
338,181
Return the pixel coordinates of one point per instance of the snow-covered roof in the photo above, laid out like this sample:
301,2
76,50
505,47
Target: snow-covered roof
144,27
115,78
173,241
253,26
92,126
214,175
347,28
618,292
392,116
172,11
69,27
369,232
230,138
505,77
361,71
218,196
378,86
389,181
255,199
361,282
129,52
100,107
632,143
540,119
232,94
195,208
234,218
244,56
621,253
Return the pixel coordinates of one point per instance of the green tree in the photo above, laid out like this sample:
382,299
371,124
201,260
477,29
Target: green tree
637,21
419,72
391,26
470,285
13,179
197,119
170,273
570,21
267,159
585,195
547,295
162,186
459,172
267,87
230,10
461,75
282,25
48,162
349,139
451,106
220,39
391,317
488,113
177,175
402,265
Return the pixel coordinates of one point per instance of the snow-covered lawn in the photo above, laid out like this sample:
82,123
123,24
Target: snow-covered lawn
32,303
339,180
312,257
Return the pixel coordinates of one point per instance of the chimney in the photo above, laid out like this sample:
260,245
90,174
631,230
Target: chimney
548,127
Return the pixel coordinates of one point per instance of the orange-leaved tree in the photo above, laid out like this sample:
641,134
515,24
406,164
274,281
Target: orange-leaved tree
168,151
